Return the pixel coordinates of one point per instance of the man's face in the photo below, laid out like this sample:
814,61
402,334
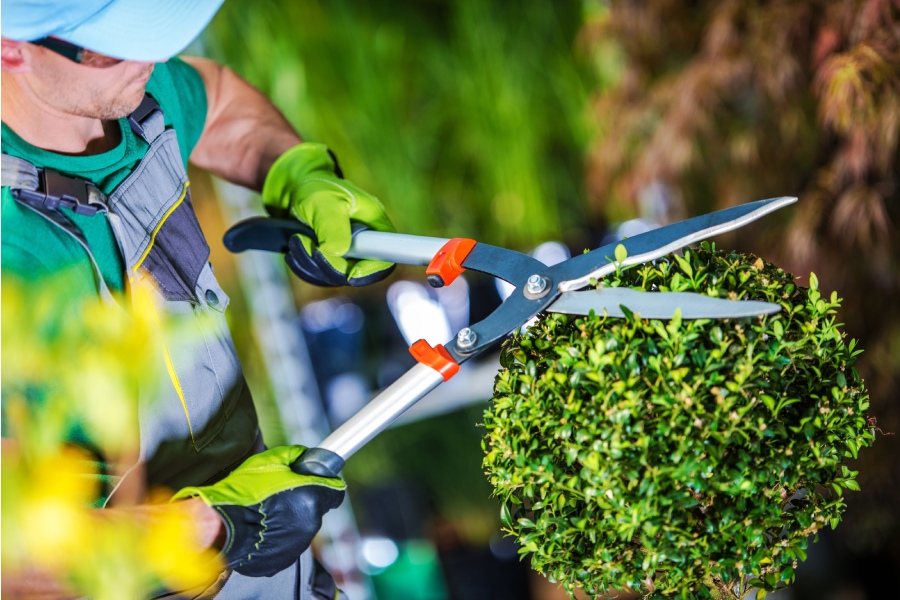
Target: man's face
100,93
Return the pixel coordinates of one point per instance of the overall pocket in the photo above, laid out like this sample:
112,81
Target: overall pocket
177,252
157,228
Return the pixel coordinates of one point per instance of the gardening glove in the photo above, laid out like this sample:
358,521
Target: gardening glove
270,513
307,184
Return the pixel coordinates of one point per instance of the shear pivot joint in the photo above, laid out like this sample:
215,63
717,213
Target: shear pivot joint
536,287
466,338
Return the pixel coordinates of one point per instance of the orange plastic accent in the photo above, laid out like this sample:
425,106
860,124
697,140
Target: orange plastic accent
447,263
437,358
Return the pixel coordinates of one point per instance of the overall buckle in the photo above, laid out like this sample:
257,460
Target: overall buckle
136,119
57,190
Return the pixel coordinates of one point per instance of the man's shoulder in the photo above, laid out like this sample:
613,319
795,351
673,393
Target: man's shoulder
29,247
177,85
178,88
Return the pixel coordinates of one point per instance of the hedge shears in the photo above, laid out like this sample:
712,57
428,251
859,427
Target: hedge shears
539,288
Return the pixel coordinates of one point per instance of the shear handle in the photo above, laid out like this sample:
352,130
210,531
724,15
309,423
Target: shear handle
328,458
272,235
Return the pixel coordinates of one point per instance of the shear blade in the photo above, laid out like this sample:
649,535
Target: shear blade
577,272
657,305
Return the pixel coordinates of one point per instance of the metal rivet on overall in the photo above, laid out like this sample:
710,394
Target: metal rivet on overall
211,298
466,338
535,284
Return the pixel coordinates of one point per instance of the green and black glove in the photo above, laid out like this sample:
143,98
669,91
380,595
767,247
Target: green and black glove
270,513
306,183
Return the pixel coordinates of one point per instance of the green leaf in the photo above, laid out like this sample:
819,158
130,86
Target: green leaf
841,380
505,516
675,322
685,265
777,329
621,253
851,484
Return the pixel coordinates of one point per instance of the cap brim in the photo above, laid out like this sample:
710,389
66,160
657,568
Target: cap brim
141,30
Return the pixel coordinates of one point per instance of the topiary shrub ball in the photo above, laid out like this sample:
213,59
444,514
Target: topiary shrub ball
679,459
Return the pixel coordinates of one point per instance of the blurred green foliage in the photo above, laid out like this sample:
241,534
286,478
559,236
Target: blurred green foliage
471,118
466,117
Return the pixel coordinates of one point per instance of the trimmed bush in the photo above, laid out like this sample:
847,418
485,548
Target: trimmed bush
680,459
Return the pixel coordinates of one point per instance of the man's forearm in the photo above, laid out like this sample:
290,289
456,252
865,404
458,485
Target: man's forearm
207,526
244,132
39,582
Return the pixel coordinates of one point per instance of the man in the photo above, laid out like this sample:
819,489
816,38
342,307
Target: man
98,126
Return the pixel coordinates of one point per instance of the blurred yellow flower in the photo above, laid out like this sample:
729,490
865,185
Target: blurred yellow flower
74,377
171,550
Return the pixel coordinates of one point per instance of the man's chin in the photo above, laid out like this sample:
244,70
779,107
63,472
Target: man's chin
135,100
124,105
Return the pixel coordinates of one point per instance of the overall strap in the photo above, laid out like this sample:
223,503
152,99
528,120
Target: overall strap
46,189
147,120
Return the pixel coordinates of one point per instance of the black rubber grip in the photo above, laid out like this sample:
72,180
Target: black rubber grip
319,461
265,233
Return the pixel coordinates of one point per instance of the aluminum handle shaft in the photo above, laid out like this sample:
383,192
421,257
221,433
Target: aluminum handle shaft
381,411
399,248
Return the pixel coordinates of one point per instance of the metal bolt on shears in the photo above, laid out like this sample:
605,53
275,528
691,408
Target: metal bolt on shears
466,338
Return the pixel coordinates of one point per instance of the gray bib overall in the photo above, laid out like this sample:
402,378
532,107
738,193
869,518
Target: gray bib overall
200,424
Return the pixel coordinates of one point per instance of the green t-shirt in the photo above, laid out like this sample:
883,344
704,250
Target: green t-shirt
33,249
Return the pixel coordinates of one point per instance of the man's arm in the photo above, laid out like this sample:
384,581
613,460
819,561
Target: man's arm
37,582
40,583
244,133
243,136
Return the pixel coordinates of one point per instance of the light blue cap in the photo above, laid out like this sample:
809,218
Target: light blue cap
146,30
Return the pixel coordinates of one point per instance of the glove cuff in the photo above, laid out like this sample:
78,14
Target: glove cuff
190,492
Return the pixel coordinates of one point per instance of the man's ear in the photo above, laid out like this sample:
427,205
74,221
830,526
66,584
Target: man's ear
12,59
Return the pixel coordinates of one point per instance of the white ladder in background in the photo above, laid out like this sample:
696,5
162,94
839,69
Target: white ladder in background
275,324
